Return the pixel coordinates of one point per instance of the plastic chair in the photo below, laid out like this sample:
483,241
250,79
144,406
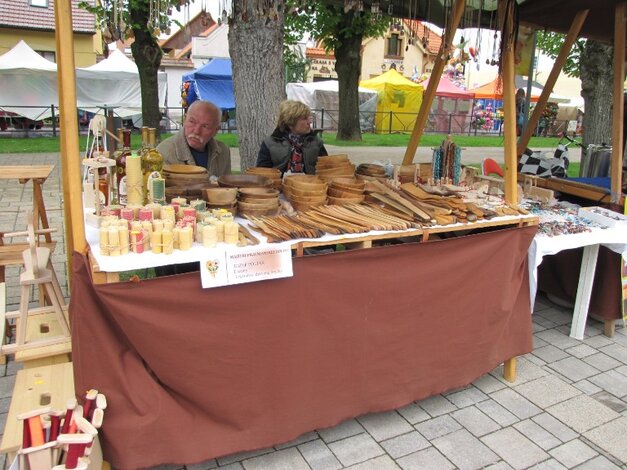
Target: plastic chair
490,166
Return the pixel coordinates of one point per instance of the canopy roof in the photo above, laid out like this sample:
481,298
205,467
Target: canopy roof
448,89
29,84
391,77
493,91
21,57
212,82
554,15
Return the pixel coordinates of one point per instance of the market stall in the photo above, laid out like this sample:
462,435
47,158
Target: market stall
335,357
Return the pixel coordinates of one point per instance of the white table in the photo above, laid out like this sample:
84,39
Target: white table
614,238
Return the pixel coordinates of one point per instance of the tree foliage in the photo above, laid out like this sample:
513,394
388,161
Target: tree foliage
143,20
339,31
550,43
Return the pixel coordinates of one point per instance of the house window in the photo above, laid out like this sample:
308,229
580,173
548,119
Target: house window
39,3
394,46
50,55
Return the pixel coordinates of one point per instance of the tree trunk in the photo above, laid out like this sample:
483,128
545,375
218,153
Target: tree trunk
348,66
147,55
256,48
595,71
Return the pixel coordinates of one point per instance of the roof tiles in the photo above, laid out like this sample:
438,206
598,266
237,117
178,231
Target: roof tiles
20,14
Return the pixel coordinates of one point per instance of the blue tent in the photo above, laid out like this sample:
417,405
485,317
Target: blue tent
212,82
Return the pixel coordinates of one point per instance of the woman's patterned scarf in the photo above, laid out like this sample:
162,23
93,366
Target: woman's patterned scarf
296,164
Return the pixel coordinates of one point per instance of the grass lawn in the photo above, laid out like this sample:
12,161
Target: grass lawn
51,144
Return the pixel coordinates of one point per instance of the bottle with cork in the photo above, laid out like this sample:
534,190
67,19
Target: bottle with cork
152,166
120,165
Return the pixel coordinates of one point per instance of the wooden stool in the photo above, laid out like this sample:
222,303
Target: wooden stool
38,272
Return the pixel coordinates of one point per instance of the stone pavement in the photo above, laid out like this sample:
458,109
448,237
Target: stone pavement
567,408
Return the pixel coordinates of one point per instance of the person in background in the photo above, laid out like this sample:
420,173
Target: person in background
293,147
194,144
520,110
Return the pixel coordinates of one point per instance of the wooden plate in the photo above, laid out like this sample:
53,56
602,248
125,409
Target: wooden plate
221,195
259,193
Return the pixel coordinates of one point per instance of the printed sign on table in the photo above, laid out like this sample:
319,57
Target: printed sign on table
259,263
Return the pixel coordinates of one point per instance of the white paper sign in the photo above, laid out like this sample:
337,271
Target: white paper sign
213,269
251,264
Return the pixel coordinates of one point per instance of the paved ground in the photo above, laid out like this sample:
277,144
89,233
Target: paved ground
567,409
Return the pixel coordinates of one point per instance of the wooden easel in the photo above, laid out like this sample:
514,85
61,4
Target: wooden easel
38,271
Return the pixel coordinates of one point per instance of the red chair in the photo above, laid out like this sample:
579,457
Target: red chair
490,166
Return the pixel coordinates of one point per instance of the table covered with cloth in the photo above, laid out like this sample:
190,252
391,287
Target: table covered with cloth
192,374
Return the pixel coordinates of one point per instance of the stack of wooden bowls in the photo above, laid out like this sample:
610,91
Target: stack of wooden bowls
258,201
305,191
184,175
222,198
273,173
346,191
334,166
370,171
244,181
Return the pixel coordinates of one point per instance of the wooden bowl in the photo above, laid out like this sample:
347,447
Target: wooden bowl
348,170
309,199
258,205
183,169
244,181
304,206
221,195
260,170
289,192
338,201
258,212
345,194
334,159
258,193
348,183
232,208
305,182
185,180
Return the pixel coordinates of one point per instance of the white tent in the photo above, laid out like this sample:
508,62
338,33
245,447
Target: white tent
30,80
324,96
113,83
27,80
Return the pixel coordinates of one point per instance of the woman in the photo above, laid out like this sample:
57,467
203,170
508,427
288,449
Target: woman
292,147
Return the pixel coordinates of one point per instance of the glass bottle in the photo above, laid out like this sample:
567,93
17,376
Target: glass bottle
120,165
152,162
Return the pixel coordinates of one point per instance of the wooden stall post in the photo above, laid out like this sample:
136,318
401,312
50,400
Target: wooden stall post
438,68
509,124
70,154
571,37
619,104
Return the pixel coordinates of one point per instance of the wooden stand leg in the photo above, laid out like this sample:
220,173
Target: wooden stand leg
609,328
509,370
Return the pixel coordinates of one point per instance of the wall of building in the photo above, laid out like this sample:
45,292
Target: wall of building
84,44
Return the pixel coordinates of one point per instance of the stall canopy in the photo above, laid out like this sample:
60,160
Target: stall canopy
114,83
494,91
27,80
451,106
30,80
212,82
323,99
399,101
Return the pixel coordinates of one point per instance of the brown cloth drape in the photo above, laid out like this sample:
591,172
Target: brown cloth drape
558,275
194,373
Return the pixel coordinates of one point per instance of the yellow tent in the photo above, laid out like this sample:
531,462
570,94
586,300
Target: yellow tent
399,101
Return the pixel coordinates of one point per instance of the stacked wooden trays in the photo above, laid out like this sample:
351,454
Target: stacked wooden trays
346,191
370,172
192,191
305,191
334,166
273,173
184,175
222,198
258,201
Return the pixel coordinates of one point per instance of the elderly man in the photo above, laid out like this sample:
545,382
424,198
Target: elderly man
194,143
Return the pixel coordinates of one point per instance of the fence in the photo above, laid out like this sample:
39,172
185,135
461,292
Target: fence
325,119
